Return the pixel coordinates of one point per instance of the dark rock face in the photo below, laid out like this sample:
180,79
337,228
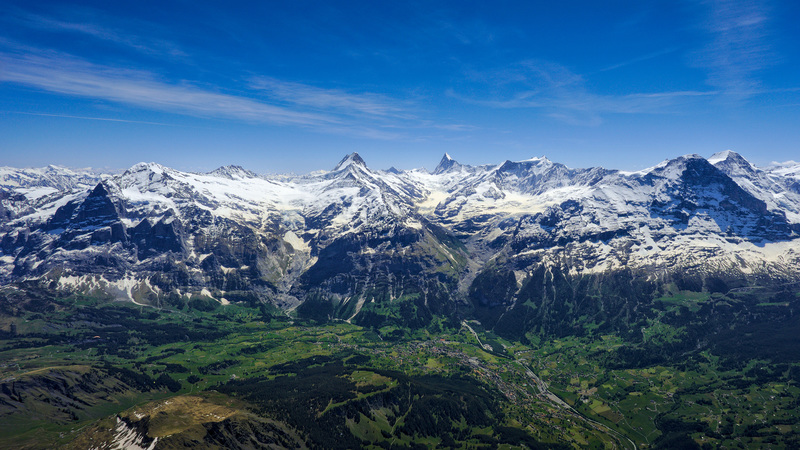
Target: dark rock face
62,217
492,293
379,265
9,202
447,164
97,210
165,236
96,215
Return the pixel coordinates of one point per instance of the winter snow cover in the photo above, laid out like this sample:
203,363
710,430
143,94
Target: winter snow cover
676,212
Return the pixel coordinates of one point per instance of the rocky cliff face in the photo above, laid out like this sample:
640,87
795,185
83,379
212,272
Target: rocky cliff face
339,241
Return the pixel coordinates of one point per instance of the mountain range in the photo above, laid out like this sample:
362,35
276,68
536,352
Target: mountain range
492,240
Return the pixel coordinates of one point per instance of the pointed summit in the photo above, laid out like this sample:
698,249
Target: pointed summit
676,168
99,190
727,155
96,210
731,163
446,164
233,172
721,156
351,159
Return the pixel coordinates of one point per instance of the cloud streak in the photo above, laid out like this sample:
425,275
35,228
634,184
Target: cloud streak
319,99
76,77
287,103
563,95
79,25
739,48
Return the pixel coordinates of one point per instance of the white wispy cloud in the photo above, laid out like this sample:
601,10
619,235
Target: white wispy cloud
71,76
320,99
332,111
86,24
562,94
739,46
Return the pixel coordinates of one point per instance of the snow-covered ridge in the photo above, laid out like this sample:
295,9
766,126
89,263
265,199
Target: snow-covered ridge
38,182
233,191
778,185
790,169
234,224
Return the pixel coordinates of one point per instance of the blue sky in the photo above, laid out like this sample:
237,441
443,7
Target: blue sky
281,86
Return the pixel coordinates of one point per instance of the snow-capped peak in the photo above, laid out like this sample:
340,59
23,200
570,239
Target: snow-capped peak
351,159
682,212
731,163
55,177
393,170
446,164
233,172
540,159
721,156
147,167
675,168
728,155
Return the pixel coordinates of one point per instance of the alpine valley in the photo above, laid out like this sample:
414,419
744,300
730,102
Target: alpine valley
519,305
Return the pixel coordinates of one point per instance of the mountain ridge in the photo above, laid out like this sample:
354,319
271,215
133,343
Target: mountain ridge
343,238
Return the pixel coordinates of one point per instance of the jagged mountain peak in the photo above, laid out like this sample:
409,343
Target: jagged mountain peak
214,224
777,187
447,164
729,156
722,156
692,185
732,163
675,168
351,159
144,174
233,172
99,190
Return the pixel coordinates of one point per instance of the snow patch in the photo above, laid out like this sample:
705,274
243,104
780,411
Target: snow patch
295,241
127,438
